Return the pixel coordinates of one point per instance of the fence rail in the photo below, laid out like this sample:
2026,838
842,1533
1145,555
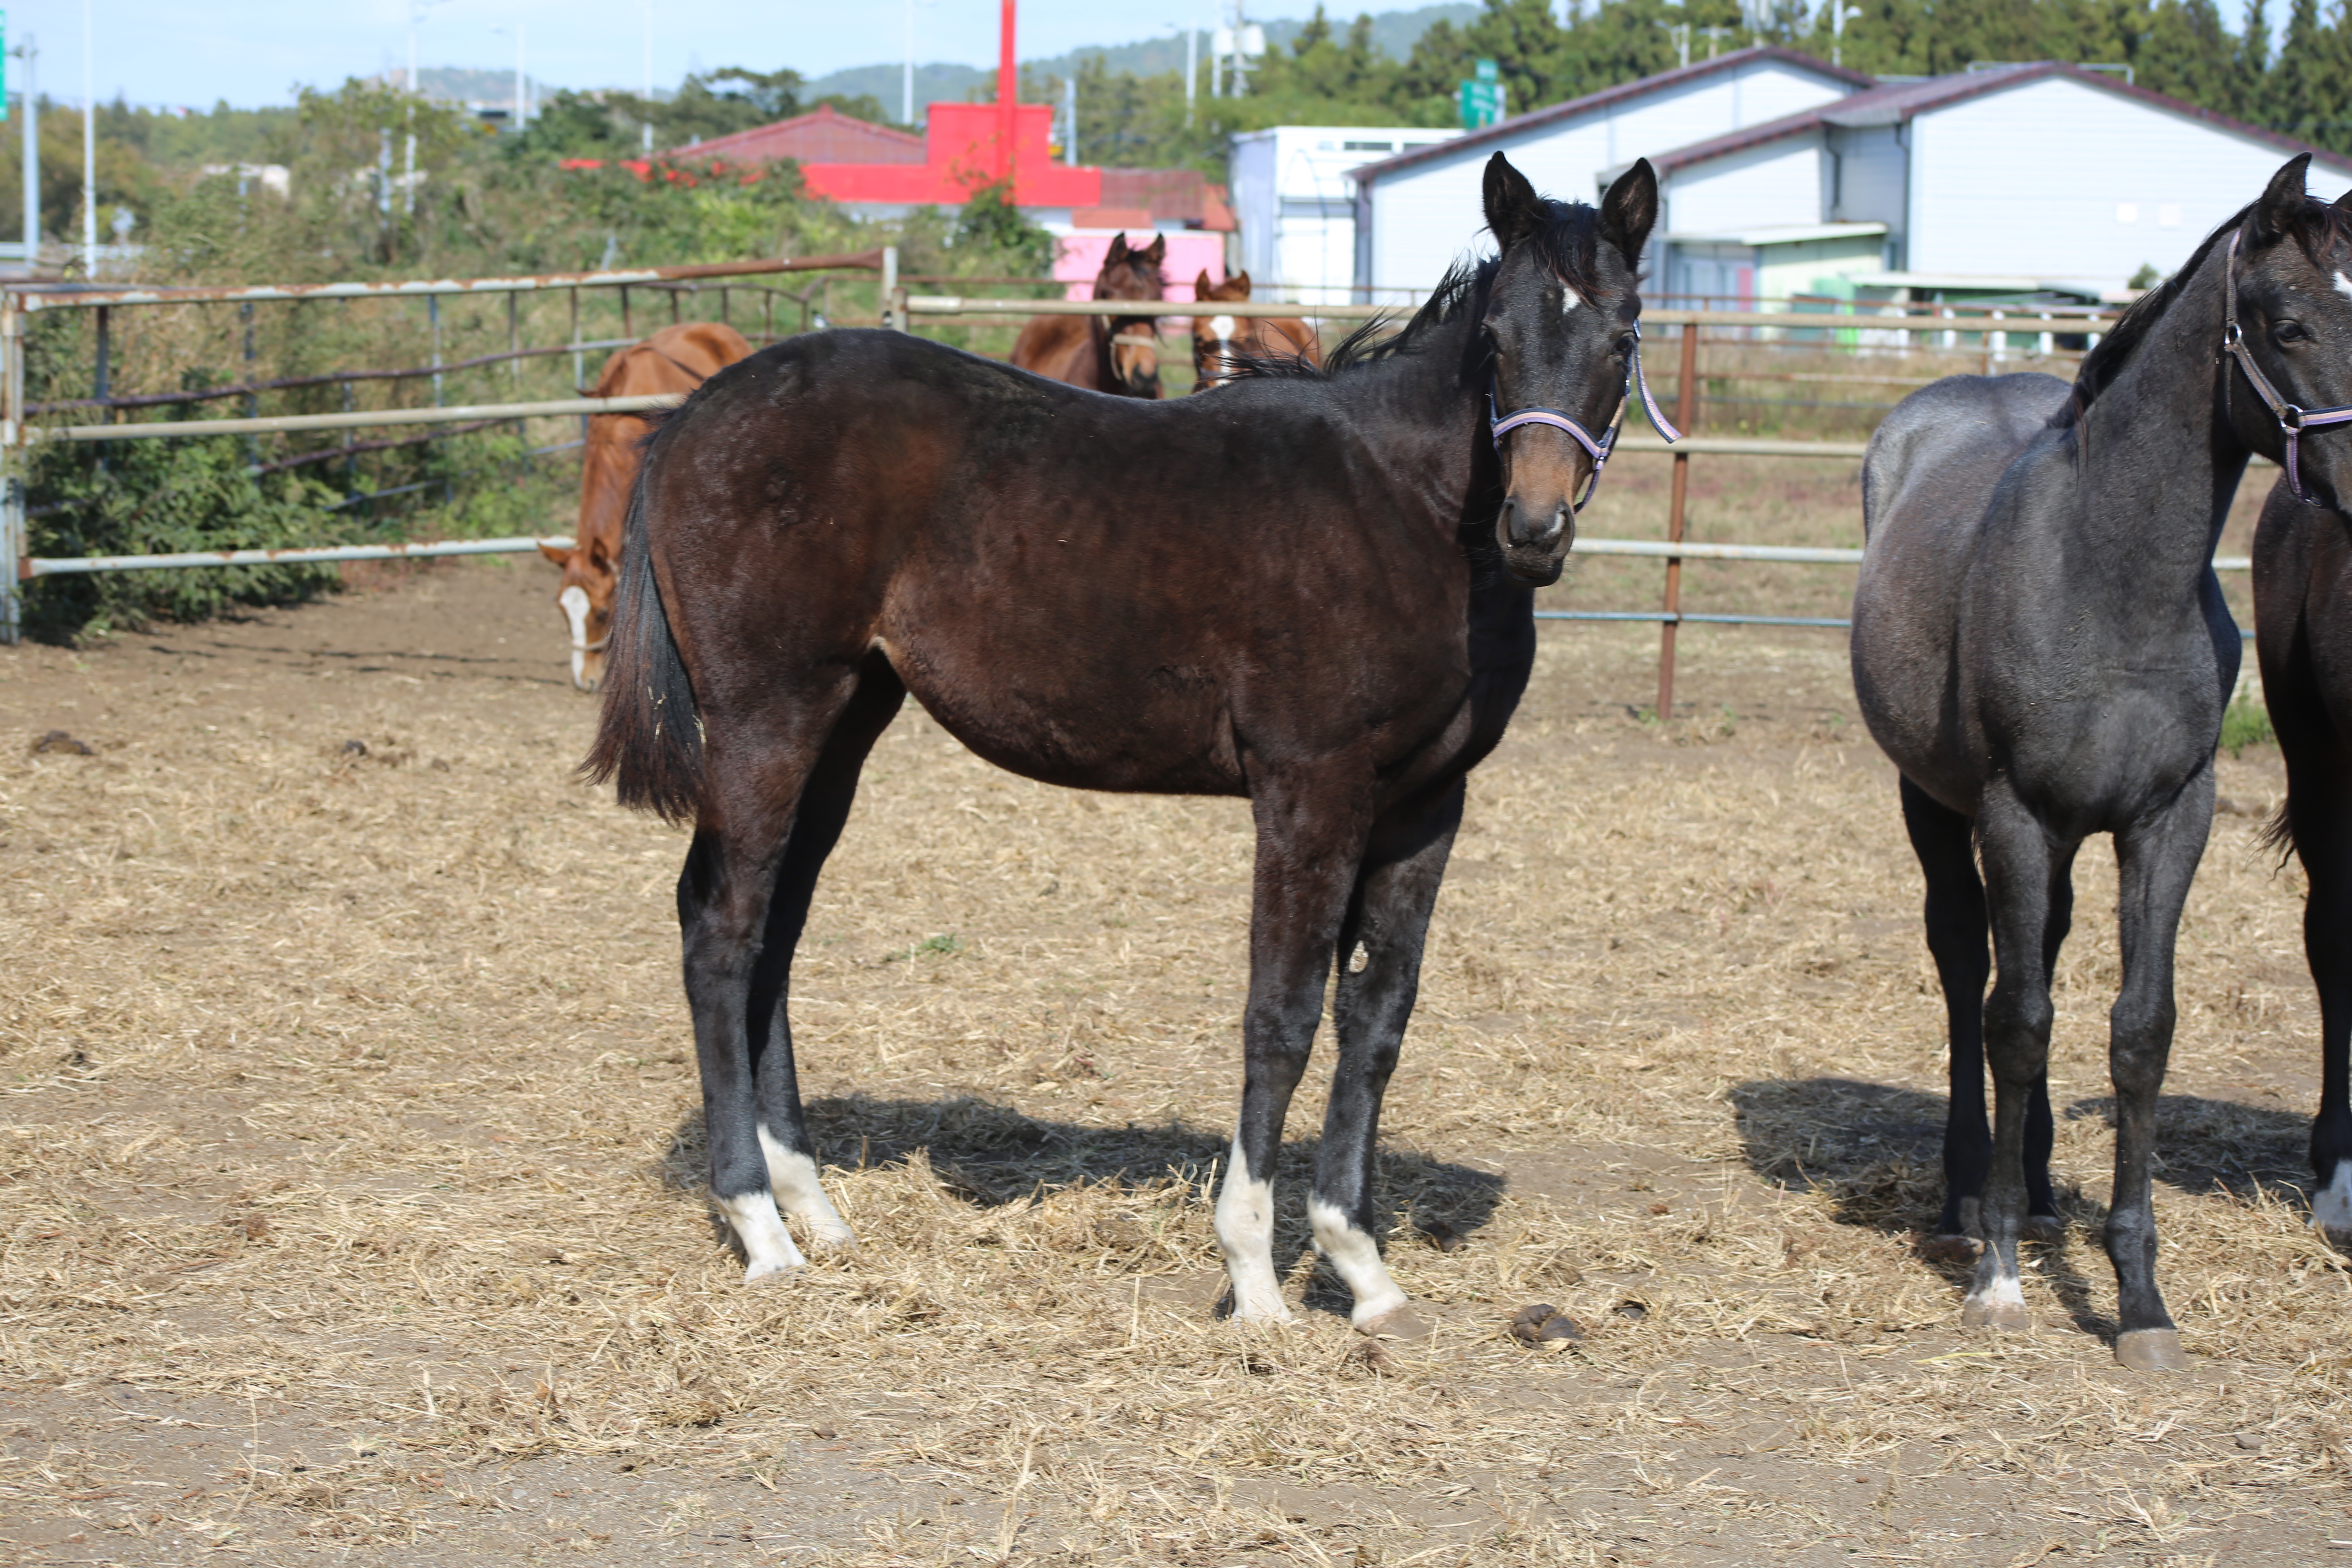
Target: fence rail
902,309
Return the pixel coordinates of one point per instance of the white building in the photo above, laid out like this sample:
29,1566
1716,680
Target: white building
2012,180
1295,203
1419,210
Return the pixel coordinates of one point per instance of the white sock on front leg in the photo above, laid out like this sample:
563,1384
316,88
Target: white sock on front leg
794,1178
767,1245
1245,1235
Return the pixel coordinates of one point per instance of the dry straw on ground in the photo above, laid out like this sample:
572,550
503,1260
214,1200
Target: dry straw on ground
352,1155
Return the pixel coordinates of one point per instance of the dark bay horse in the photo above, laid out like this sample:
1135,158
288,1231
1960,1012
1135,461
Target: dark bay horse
2042,647
1104,353
1339,635
1219,341
677,358
2303,635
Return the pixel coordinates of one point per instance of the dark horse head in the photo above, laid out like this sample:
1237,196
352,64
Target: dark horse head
2290,295
1134,341
2283,271
1564,302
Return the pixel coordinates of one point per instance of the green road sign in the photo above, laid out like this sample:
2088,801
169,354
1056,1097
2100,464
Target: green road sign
1483,98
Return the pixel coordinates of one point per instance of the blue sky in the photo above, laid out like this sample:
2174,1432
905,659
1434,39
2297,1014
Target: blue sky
254,51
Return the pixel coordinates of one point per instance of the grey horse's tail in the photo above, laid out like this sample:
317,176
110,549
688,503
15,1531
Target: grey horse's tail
649,737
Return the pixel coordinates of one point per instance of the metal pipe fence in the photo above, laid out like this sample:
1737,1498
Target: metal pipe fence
902,310
20,434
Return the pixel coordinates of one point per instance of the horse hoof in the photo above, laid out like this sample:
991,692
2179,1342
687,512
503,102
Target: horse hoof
1396,1323
835,1244
2047,1230
1951,1248
2151,1350
2003,1317
771,1269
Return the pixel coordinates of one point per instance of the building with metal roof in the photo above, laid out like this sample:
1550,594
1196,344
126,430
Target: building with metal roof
2041,179
1416,213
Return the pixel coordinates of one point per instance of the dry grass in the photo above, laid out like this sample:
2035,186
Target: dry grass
352,1124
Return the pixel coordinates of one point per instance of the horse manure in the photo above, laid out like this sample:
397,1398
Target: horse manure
1442,1235
1544,1324
1632,1311
355,748
59,741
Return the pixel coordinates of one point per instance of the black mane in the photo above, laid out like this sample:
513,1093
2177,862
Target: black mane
2320,225
1568,242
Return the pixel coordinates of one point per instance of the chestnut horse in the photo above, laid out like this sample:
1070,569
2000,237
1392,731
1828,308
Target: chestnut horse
676,359
1338,633
1220,342
1117,354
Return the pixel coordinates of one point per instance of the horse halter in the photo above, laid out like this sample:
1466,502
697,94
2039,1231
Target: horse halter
2292,421
1499,425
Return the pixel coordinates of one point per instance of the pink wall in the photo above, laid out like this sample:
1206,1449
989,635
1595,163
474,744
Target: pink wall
1189,251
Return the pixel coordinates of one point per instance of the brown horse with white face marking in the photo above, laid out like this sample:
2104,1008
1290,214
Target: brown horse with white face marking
676,359
1220,342
1118,355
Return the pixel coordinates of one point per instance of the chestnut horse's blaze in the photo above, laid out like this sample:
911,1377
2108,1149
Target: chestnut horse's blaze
850,518
676,359
1116,354
1220,343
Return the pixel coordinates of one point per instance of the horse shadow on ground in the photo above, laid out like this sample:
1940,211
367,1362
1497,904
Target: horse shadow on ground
1876,1153
988,1155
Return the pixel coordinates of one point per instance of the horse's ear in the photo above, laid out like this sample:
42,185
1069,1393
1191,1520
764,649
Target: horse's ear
1513,208
557,553
1629,211
1157,251
1117,252
1241,279
1201,285
2281,208
600,552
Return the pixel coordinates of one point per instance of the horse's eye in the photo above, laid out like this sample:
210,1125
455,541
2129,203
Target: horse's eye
2288,333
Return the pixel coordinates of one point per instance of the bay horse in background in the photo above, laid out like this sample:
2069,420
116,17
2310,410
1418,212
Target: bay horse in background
2041,647
1220,342
2303,636
674,360
1117,354
1339,634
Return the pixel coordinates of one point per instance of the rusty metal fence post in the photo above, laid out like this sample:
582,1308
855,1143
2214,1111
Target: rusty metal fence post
1686,418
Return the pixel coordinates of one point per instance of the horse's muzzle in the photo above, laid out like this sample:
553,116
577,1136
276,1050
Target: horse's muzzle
1535,543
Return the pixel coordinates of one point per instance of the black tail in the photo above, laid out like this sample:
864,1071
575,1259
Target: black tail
2278,834
649,738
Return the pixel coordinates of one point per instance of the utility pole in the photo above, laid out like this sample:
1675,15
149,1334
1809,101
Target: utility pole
89,142
907,86
1192,71
32,134
1070,110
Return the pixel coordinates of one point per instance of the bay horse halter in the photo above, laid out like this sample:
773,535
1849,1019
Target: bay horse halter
2292,421
1499,425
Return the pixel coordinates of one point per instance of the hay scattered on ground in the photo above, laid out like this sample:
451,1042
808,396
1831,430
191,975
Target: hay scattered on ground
351,1118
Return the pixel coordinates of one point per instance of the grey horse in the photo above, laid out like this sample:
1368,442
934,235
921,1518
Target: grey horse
2041,647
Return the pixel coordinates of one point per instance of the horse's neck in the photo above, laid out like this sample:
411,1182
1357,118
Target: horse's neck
1421,430
2158,460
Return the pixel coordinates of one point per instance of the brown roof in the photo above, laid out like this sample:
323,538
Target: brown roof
825,136
1171,195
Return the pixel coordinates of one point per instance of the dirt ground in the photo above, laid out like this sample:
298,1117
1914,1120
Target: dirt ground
353,1205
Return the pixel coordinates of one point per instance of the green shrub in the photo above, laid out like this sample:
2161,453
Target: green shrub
154,497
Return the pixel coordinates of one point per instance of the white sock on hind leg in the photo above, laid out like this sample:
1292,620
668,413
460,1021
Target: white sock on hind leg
794,1178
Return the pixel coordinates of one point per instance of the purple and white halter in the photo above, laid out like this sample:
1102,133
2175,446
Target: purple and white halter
2291,420
1500,425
